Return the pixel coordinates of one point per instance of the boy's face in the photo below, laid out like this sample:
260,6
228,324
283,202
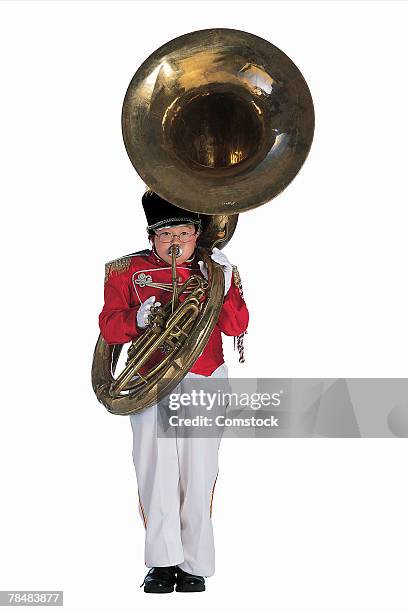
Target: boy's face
165,237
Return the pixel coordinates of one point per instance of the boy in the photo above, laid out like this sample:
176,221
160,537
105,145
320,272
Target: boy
176,476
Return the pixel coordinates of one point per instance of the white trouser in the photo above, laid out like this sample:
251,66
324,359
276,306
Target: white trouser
176,479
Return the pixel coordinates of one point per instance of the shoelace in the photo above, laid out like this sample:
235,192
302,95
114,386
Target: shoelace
163,573
186,576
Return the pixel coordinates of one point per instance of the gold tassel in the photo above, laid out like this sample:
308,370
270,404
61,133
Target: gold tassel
237,278
239,340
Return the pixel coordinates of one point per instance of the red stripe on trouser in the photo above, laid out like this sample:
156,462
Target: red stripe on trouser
212,495
142,510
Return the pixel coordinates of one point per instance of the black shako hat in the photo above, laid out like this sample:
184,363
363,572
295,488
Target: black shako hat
161,213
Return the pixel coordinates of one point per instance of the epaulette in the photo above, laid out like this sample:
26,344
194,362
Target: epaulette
121,264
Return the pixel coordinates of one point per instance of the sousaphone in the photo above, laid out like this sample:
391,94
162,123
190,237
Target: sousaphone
218,122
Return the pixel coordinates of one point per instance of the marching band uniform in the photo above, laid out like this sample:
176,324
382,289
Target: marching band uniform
133,279
176,476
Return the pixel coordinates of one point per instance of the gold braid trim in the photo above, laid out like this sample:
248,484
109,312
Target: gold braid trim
116,266
237,277
239,340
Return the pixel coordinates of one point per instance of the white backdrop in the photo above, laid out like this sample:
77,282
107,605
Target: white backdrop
299,524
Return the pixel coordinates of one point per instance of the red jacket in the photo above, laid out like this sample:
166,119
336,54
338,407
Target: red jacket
128,284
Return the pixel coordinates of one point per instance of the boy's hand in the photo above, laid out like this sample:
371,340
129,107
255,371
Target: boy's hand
220,258
143,313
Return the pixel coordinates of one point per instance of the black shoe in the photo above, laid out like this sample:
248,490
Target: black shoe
188,583
160,580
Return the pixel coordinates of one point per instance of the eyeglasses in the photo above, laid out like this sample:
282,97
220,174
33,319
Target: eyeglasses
167,237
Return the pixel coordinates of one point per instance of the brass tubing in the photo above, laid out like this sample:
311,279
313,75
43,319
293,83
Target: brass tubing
174,298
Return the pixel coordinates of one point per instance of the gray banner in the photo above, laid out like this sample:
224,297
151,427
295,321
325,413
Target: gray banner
286,407
31,598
